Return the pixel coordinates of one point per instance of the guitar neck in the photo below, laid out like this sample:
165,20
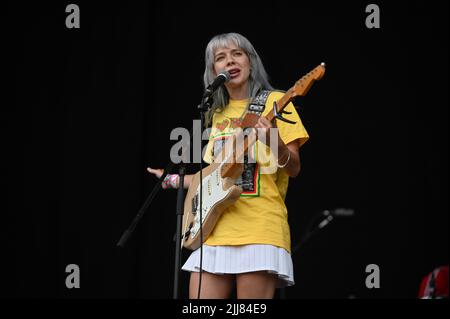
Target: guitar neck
300,88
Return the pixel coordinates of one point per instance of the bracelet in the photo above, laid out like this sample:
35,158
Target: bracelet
170,181
287,161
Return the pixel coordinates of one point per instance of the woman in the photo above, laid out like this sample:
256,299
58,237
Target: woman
249,247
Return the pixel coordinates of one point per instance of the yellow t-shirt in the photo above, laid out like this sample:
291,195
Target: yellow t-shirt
259,216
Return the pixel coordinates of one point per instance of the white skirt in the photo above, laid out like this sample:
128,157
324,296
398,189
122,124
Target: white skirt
242,259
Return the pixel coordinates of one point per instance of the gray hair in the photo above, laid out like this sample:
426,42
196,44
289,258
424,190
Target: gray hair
258,77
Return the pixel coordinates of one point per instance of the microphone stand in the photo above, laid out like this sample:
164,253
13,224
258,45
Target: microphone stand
310,233
204,106
126,235
179,212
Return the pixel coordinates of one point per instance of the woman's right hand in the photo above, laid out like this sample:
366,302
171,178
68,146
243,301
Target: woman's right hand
158,172
155,171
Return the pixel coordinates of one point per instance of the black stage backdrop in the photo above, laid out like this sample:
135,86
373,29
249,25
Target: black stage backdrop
91,108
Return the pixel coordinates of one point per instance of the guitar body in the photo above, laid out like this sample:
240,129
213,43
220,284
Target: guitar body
218,193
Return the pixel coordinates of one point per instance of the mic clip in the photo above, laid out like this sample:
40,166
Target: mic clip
206,103
327,220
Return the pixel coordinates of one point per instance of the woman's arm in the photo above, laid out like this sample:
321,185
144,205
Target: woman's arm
288,155
158,172
187,180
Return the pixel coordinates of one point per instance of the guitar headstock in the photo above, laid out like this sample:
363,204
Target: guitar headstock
302,86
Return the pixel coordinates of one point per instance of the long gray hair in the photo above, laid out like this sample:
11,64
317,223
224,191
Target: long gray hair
258,77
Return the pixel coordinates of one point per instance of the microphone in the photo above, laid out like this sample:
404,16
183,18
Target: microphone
221,78
338,212
344,212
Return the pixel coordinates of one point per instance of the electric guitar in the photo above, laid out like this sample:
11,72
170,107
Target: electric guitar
218,179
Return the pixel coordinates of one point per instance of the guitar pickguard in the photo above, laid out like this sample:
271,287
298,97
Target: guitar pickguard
212,192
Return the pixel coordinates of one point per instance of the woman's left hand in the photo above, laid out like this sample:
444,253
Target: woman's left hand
264,127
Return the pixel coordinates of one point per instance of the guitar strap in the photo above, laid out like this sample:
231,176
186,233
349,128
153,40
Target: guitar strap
246,180
258,104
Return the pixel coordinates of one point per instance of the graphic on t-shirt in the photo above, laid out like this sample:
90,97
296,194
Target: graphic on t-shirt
249,180
234,121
